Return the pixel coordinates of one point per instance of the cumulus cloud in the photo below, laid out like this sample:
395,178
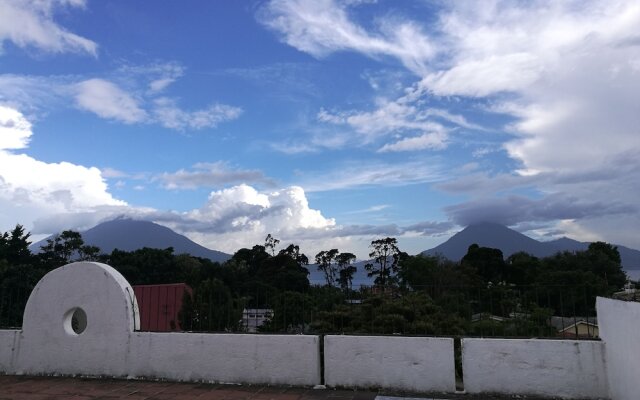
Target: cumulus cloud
31,189
211,175
30,23
133,94
108,100
15,130
242,216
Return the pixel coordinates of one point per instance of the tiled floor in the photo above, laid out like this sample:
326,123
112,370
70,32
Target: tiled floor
50,388
55,388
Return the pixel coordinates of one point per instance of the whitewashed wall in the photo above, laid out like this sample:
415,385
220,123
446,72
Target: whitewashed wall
230,358
110,347
8,340
619,323
554,368
416,364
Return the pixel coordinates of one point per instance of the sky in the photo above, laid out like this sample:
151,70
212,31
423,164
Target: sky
326,123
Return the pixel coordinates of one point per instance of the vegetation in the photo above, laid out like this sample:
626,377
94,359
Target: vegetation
483,294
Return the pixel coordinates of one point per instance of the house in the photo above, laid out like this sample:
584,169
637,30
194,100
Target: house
486,316
252,318
629,293
576,327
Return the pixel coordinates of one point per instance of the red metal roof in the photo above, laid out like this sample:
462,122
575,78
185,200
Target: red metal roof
160,306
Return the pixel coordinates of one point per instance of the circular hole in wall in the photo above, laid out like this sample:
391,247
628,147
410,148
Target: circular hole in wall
75,321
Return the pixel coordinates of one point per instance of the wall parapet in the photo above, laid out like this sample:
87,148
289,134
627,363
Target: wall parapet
81,319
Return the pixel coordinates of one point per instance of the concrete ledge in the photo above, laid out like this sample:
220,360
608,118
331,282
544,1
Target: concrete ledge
555,368
416,364
227,358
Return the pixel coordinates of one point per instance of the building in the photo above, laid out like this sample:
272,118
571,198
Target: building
576,327
252,318
160,306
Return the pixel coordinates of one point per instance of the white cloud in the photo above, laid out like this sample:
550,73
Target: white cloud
130,95
108,100
242,216
317,143
389,118
29,23
436,140
15,130
365,174
321,27
31,189
211,175
167,113
158,75
566,73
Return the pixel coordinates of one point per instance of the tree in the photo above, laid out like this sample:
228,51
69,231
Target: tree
14,246
66,247
293,251
345,269
270,243
325,259
386,257
488,262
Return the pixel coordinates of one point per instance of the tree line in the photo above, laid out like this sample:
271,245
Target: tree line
483,294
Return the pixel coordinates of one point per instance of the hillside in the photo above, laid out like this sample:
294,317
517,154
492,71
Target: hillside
129,235
509,241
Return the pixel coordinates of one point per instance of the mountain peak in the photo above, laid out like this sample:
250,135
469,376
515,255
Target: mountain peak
129,234
488,234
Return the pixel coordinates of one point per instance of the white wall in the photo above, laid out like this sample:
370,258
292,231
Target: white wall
619,323
562,368
416,364
110,347
231,358
8,341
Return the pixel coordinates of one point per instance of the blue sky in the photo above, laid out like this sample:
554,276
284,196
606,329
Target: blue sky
326,123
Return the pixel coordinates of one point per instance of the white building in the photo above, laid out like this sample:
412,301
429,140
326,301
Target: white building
252,318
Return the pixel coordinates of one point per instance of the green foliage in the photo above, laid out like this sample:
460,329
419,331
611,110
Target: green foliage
386,259
211,308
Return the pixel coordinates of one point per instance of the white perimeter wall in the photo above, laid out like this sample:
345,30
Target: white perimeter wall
619,323
415,364
230,358
554,368
8,340
110,347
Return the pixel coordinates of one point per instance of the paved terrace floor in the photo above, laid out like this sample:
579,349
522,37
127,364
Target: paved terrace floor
54,388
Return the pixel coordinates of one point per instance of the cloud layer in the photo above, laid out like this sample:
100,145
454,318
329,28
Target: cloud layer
566,75
30,23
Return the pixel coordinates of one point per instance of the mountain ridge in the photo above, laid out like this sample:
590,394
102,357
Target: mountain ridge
130,234
509,241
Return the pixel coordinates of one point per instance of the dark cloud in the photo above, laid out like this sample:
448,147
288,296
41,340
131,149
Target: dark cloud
430,228
514,209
